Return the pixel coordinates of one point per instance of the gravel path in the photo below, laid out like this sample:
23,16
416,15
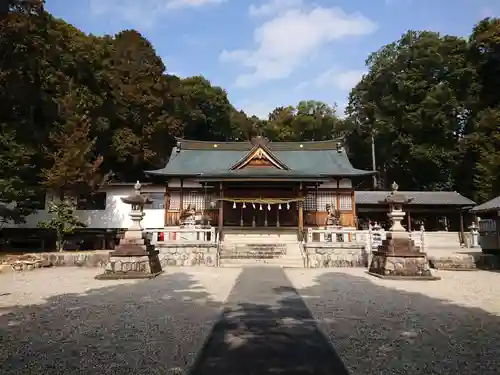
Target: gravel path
62,321
451,326
82,325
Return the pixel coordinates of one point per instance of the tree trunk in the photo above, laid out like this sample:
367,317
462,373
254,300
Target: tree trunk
60,242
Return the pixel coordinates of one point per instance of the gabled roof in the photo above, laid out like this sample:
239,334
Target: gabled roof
491,205
260,151
215,160
447,198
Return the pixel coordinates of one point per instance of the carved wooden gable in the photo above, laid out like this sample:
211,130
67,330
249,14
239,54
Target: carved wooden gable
260,156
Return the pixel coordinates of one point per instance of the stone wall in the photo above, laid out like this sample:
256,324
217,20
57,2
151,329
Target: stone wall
331,254
188,254
28,262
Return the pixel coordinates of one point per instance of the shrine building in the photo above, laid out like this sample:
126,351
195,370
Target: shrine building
259,184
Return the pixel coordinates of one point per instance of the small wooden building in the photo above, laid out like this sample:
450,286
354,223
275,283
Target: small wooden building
489,225
259,184
437,210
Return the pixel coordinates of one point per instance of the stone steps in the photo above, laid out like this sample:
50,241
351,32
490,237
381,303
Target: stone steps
248,254
281,262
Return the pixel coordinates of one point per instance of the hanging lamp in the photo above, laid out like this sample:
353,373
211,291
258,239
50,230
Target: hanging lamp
234,205
279,206
253,205
244,205
288,206
260,208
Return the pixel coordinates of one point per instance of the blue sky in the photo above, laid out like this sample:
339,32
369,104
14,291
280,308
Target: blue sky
269,53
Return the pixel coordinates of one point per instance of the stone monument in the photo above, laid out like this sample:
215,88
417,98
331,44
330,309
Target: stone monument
398,257
134,258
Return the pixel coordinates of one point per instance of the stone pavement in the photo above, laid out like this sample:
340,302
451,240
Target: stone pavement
249,321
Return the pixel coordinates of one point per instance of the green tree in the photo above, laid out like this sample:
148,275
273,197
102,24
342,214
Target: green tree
15,168
63,221
207,112
415,99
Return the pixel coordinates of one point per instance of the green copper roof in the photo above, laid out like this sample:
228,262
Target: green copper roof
307,160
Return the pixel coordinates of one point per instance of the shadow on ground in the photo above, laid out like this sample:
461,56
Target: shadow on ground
149,327
381,330
266,327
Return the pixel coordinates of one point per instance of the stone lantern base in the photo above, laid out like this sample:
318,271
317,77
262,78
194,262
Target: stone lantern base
398,258
132,259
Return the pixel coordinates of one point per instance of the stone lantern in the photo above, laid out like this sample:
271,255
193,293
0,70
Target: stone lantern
134,258
398,257
396,200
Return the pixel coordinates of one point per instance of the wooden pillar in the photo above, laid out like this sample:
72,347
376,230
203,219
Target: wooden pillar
221,210
316,205
462,230
241,216
166,205
300,203
353,209
181,196
408,214
337,196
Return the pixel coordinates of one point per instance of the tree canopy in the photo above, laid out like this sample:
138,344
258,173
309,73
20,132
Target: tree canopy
85,106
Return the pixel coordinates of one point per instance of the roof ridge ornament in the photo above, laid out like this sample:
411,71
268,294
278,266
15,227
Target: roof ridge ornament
259,141
394,187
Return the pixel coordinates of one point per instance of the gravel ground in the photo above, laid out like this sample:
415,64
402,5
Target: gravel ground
63,321
81,325
450,326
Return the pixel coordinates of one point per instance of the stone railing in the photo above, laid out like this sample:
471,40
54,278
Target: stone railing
185,246
368,238
177,234
346,247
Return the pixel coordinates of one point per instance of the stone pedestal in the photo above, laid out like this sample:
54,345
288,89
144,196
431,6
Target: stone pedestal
399,258
132,259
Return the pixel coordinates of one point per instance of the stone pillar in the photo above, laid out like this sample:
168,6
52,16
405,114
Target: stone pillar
474,234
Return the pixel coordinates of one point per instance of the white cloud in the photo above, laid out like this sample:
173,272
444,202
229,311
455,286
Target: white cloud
143,13
273,7
288,39
344,80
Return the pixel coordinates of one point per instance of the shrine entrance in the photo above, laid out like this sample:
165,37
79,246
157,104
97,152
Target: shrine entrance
257,215
260,206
